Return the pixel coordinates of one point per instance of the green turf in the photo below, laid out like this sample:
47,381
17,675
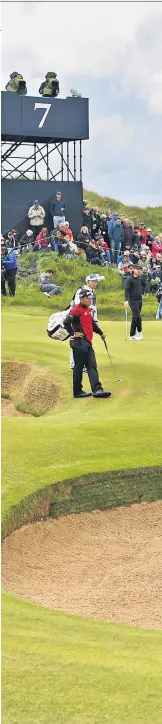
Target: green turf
61,669
69,275
58,668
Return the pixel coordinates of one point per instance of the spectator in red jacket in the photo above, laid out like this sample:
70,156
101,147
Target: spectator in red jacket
156,246
144,233
65,226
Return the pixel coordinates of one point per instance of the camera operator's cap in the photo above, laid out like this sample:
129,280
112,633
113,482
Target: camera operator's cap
85,293
92,278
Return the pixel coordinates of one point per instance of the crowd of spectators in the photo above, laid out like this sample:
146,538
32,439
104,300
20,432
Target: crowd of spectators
104,240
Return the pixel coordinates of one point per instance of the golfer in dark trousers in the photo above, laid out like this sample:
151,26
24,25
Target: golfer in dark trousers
133,297
81,325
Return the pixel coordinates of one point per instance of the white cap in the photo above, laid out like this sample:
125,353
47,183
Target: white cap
95,278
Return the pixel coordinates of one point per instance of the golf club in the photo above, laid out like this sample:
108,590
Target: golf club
105,343
126,324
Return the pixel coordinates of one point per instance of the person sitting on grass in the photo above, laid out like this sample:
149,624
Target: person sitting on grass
94,256
83,238
42,240
124,267
45,285
65,226
26,242
64,247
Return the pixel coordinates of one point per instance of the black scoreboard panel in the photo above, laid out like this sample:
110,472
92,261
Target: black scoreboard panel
44,119
18,195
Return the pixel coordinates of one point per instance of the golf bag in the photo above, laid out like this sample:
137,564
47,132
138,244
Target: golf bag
55,328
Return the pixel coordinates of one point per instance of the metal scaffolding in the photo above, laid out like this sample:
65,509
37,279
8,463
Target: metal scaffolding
44,161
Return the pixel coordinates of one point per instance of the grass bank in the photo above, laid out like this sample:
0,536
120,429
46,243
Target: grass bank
70,276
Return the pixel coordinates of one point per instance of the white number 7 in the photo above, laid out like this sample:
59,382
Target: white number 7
43,105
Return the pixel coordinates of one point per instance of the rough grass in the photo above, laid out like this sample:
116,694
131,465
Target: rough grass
31,388
70,276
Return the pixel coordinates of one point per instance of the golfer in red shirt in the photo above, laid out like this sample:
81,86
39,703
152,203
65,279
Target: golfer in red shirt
80,325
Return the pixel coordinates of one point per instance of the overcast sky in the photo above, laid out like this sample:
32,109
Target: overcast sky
112,53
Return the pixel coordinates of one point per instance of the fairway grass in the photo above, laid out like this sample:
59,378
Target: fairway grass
60,669
65,669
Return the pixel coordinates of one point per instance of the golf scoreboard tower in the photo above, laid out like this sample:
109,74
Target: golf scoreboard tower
42,154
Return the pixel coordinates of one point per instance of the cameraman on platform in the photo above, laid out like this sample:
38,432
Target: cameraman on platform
50,87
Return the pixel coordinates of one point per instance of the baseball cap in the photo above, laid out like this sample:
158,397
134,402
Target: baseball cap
85,293
91,278
148,229
95,278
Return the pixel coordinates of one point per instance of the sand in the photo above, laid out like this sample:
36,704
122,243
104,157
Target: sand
106,565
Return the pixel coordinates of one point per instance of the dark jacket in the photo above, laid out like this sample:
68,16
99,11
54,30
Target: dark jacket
25,240
83,239
127,236
87,221
133,257
133,289
10,261
117,234
56,206
92,253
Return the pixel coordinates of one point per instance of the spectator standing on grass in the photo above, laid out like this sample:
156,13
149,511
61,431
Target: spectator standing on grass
57,209
128,234
46,286
10,265
133,297
87,219
116,235
112,222
36,215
